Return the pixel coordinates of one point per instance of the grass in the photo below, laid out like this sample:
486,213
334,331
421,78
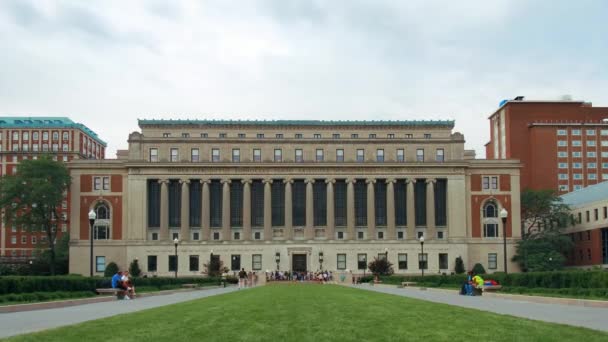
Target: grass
297,312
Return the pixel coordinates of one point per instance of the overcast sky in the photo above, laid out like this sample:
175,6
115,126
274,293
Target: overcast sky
108,63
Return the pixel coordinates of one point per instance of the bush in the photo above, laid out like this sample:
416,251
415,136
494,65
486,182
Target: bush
478,269
459,266
381,267
111,269
43,296
134,269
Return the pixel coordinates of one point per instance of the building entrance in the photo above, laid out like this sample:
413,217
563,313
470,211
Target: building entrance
298,262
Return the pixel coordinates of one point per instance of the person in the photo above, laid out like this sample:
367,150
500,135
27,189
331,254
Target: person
126,280
249,279
242,278
117,283
478,283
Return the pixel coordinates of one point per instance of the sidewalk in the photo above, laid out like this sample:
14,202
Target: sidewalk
30,321
580,316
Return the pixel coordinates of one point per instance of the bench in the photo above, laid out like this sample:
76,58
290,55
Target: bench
492,288
408,283
119,293
189,286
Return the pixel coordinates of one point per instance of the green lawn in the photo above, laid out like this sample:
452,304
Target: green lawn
298,312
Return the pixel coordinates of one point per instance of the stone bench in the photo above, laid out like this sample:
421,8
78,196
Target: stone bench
408,283
189,286
492,288
115,292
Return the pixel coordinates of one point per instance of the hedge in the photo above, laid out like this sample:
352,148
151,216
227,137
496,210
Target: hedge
550,280
43,296
25,284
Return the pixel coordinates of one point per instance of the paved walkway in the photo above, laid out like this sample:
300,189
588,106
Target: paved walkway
588,317
30,321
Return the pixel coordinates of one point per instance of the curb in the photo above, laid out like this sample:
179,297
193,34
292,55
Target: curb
91,300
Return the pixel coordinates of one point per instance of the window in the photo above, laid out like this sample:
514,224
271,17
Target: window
578,187
360,155
440,235
443,261
204,135
257,155
215,155
154,236
319,155
360,235
492,261
562,176
236,155
166,135
380,235
185,135
13,240
317,136
400,235
591,165
490,220
26,136
279,135
420,155
380,155
561,132
55,147
100,264
174,155
194,155
354,136
591,143
576,143
591,154
299,136
439,155
604,143
256,262
195,236
339,155
260,135
390,136
576,154
590,132
193,263
562,165
372,136
335,136
409,136
564,187
64,147
577,176
23,240
299,155
96,183
216,236
340,235
562,143
402,261
172,263
400,155
604,132
278,155
55,136
237,235
106,183
34,240
341,261
45,135
577,165
490,182
562,154
576,132
242,135
223,135
422,261
361,261
257,236
592,176
151,263
34,148
34,136
596,215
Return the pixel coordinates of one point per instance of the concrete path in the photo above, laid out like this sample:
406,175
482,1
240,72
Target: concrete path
30,321
588,317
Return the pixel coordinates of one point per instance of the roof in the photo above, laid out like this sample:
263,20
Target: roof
404,123
46,122
590,194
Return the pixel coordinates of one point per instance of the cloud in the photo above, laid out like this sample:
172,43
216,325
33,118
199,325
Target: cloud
107,63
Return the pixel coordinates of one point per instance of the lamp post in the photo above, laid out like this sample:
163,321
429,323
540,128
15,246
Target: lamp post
321,259
277,258
422,255
92,217
503,216
386,253
176,242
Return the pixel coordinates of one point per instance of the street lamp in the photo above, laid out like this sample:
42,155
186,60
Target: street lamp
422,254
386,253
92,217
503,216
176,242
277,258
321,259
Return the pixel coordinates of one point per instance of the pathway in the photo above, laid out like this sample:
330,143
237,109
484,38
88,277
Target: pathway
588,317
30,321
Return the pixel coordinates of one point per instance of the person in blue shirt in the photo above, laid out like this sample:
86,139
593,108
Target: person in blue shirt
116,280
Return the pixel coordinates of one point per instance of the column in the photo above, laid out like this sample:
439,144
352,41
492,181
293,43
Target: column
371,209
309,231
350,208
411,209
246,209
226,210
288,231
164,209
205,212
390,209
267,209
430,208
184,231
331,222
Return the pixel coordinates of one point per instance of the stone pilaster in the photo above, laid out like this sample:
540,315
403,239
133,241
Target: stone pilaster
411,209
246,209
390,209
164,209
205,214
226,233
350,208
267,209
184,231
309,230
430,209
288,209
331,222
371,209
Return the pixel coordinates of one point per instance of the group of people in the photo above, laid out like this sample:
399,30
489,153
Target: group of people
247,279
121,280
321,276
474,284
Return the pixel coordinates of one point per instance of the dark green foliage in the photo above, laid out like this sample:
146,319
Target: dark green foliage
215,268
366,279
134,269
111,269
381,267
459,266
479,269
43,296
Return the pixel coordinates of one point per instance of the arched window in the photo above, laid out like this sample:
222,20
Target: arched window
490,220
102,223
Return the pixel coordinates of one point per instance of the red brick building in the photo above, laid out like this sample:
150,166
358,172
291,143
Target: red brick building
563,145
24,138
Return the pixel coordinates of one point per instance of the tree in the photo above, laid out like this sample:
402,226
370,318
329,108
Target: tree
380,267
542,209
459,266
111,269
215,268
543,251
31,198
134,269
42,261
478,269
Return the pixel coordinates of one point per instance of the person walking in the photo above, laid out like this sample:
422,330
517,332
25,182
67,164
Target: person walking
242,278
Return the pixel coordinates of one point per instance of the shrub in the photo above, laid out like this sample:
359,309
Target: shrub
478,269
381,267
459,266
111,269
134,269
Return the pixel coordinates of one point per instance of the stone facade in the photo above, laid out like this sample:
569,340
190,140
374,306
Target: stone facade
329,193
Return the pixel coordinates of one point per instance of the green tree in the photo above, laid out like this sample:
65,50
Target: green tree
459,266
381,267
542,209
478,269
42,261
134,269
31,198
111,269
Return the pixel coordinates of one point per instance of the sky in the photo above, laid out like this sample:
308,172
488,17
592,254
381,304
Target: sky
108,63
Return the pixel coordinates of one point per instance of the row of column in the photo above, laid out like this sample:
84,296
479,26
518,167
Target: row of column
309,230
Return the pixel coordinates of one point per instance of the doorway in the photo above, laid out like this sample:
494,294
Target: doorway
298,262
